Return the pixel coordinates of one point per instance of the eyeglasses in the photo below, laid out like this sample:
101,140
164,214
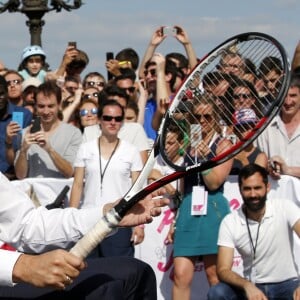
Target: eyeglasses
13,82
151,71
130,89
93,83
110,118
84,112
241,96
206,117
89,96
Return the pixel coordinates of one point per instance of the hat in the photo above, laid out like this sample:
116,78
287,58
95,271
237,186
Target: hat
244,116
31,81
32,50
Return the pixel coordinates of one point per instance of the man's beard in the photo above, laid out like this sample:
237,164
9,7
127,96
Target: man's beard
255,207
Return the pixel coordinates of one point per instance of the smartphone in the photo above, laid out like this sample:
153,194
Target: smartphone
169,30
36,125
72,44
18,116
109,56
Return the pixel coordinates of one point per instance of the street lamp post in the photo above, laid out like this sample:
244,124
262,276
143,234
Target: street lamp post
35,10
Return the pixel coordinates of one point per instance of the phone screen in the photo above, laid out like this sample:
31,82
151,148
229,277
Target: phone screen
17,117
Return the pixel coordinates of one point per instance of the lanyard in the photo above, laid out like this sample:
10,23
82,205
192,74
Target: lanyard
250,236
100,164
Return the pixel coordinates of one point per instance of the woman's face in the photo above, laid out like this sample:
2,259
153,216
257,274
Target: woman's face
111,120
205,116
130,115
88,114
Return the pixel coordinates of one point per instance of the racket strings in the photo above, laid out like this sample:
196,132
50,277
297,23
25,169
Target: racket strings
234,102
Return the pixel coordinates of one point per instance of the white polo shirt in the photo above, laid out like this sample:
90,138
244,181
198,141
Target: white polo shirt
274,260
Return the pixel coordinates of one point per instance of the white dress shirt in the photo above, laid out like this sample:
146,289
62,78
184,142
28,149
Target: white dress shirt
35,230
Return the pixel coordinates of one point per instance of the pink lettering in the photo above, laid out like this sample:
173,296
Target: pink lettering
234,204
164,268
166,220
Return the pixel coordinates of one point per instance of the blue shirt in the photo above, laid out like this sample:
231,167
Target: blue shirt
4,166
150,109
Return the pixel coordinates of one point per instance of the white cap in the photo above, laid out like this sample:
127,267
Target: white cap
30,81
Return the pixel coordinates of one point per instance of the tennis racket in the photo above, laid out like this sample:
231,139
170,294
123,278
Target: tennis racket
209,126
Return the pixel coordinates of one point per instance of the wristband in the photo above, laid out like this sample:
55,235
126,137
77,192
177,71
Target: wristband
206,172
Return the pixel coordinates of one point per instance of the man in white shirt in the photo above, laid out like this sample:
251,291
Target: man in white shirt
281,139
262,232
38,230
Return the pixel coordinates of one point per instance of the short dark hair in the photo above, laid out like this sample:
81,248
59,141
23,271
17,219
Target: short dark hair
107,102
268,64
130,55
113,90
48,88
295,80
183,61
3,83
250,170
126,73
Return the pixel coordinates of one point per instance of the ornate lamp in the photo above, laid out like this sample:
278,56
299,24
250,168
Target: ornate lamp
35,10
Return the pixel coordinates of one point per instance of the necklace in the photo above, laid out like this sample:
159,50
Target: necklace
100,163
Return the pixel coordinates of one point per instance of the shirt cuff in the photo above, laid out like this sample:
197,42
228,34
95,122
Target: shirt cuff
8,260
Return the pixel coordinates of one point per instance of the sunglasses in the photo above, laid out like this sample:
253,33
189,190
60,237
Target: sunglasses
13,82
84,112
89,96
130,89
110,118
93,83
152,72
206,117
241,96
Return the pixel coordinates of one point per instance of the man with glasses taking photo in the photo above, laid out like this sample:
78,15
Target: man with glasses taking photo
10,131
14,83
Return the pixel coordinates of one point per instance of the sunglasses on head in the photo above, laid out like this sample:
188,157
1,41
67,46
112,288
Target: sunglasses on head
13,82
84,112
89,96
152,72
93,83
110,118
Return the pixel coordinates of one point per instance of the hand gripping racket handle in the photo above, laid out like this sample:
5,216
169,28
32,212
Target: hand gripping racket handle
93,237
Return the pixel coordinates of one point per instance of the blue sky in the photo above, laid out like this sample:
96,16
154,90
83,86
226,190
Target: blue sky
101,26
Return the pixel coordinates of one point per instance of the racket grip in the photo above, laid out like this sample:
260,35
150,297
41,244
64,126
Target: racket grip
93,237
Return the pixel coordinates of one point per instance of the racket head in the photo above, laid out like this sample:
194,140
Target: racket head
238,115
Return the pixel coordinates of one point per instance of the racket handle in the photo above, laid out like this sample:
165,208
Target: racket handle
93,237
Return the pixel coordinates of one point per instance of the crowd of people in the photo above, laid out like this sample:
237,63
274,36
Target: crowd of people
99,129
